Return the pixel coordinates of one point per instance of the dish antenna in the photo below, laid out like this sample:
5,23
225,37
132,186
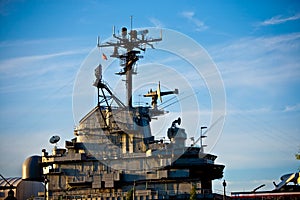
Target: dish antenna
54,139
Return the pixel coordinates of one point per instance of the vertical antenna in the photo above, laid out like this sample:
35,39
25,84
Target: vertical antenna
132,56
131,23
130,28
98,41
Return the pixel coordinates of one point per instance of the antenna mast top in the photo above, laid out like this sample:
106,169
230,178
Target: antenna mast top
132,42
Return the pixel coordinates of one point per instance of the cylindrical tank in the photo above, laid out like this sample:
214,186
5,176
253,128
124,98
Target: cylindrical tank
32,169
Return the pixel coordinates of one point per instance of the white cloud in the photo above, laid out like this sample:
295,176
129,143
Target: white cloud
157,23
188,14
292,108
200,25
261,110
259,61
39,71
40,42
279,20
14,64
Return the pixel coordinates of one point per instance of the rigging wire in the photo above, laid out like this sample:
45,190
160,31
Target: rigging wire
178,100
166,101
209,128
265,129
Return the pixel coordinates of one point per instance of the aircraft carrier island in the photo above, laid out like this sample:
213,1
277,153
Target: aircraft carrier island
114,154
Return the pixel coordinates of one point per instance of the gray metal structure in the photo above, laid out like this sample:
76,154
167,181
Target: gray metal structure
114,153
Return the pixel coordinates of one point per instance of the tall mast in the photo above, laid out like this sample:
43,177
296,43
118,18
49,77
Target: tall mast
133,42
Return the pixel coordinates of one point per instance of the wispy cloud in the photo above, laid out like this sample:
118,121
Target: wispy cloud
292,108
20,66
156,22
200,25
259,61
40,42
40,71
279,20
261,110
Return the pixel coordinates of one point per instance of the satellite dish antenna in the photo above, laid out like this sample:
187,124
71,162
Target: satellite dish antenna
179,120
54,139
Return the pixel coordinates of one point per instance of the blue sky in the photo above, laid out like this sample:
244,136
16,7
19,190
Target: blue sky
255,45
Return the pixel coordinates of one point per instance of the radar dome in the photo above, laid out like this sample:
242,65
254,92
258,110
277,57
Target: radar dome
32,169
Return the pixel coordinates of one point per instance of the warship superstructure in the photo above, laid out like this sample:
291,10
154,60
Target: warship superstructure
114,154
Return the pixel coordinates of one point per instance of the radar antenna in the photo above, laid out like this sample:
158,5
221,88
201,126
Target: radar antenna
54,139
157,95
133,42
